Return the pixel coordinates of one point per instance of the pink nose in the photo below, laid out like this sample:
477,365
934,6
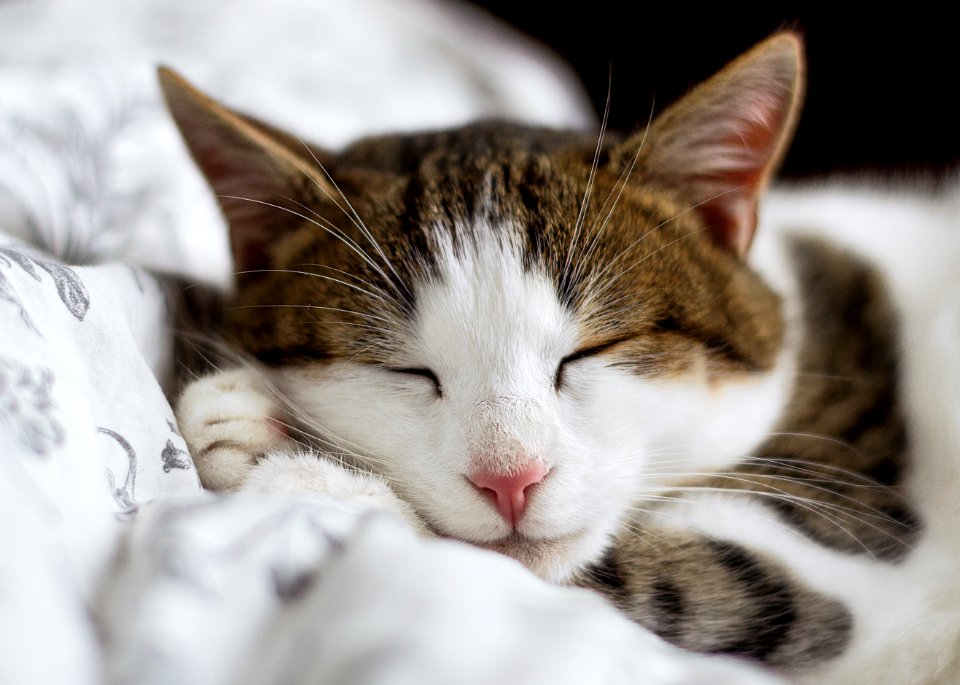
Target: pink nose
510,491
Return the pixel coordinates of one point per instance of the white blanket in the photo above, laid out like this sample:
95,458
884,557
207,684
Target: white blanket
116,567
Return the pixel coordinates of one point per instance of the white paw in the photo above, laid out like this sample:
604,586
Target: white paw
310,473
229,420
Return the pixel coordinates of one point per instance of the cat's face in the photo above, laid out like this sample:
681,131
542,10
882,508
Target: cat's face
524,332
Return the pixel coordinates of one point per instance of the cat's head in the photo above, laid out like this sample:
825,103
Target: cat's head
526,332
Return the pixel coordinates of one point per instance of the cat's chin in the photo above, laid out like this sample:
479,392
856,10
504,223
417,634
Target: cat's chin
554,559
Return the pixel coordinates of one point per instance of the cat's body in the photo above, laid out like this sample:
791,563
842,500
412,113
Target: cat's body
554,349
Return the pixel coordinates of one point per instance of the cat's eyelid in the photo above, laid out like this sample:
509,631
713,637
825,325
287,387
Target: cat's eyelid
592,350
581,354
418,371
412,370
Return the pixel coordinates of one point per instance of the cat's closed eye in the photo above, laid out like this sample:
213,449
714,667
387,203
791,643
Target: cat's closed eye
591,351
423,373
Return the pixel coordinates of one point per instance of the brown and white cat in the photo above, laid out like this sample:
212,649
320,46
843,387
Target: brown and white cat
567,351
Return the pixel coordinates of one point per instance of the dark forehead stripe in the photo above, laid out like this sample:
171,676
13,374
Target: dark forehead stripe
509,188
406,154
497,174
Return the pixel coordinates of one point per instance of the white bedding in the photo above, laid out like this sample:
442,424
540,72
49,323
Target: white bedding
116,567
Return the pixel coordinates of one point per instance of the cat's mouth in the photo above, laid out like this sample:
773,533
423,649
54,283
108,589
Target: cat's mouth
553,558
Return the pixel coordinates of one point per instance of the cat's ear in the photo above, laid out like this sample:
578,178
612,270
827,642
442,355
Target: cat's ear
261,176
722,142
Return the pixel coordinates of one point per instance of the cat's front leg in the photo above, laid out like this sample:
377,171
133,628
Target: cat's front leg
236,433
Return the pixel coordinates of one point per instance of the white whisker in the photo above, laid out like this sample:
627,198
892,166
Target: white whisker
355,218
591,177
332,230
363,315
315,275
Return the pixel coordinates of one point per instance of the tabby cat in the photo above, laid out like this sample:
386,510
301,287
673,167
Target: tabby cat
569,351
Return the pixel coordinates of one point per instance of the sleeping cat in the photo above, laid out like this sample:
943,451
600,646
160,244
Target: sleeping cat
570,351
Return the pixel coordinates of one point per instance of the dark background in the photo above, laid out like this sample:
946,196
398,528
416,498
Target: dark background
882,86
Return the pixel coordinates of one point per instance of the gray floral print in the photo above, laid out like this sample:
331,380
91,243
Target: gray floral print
27,407
70,288
123,493
174,458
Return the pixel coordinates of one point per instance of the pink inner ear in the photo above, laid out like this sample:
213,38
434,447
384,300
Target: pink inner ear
748,148
258,193
721,143
259,181
732,223
245,184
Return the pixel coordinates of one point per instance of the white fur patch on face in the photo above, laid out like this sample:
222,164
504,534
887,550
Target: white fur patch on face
493,332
